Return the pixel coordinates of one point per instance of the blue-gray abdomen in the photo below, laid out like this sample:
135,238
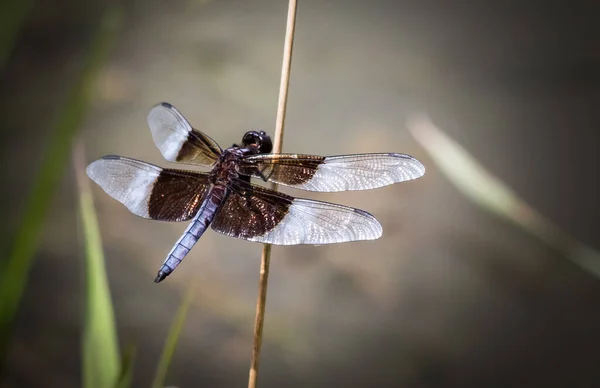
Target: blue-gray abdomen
194,231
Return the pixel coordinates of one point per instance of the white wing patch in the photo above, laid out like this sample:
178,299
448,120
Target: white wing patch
127,180
314,222
170,130
363,172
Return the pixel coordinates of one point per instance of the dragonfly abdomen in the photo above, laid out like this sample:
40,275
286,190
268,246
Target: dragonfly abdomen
193,232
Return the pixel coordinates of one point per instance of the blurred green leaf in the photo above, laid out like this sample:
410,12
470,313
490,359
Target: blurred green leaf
100,346
478,184
19,262
13,14
171,341
126,375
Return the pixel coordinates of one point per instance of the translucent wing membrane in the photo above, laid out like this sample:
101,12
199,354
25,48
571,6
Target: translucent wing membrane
334,173
257,214
178,141
148,190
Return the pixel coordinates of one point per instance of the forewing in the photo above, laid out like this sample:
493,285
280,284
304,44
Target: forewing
257,214
333,173
148,190
178,141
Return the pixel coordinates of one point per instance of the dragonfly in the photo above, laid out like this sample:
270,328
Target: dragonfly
225,199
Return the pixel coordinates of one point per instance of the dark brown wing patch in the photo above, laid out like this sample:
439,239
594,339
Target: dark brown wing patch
177,195
262,215
199,149
149,191
250,211
334,173
287,169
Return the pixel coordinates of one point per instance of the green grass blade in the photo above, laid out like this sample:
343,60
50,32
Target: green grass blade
101,358
482,187
13,14
171,341
126,375
19,262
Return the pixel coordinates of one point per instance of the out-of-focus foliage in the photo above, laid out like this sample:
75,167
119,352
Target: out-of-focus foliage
100,344
125,377
15,274
485,189
171,341
12,15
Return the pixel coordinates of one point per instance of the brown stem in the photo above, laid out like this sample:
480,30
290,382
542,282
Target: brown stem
266,253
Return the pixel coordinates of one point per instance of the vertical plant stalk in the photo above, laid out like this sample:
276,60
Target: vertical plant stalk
277,146
15,273
171,341
100,349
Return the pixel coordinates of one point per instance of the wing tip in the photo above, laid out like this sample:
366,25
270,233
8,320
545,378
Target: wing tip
376,226
156,110
163,104
418,167
165,121
165,115
364,213
111,157
93,168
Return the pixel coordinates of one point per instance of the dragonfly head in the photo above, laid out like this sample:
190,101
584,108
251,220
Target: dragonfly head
259,139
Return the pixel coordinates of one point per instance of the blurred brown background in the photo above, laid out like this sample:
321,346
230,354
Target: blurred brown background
449,296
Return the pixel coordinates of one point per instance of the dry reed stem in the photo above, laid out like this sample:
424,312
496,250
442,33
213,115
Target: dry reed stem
277,145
